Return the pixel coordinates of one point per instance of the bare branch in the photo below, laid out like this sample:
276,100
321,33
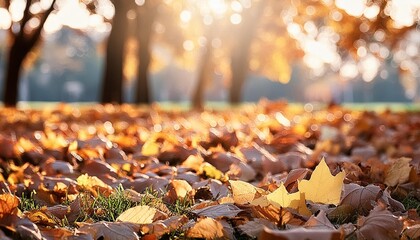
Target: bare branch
26,17
37,32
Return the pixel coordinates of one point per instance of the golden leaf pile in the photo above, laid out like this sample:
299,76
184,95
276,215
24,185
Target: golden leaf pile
267,171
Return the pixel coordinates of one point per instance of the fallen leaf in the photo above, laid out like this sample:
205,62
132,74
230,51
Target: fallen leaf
319,222
221,210
178,189
360,198
379,224
111,230
243,192
92,184
255,227
150,148
294,176
141,215
207,228
55,233
41,217
27,229
241,171
8,204
281,198
300,234
162,227
412,232
209,171
323,187
399,172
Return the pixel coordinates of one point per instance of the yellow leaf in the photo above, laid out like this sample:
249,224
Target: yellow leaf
243,192
281,198
91,182
399,172
323,187
141,215
211,172
150,148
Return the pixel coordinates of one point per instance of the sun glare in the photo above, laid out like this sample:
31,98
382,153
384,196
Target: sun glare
5,19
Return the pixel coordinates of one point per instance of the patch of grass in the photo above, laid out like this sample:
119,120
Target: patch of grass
28,203
110,207
181,206
411,202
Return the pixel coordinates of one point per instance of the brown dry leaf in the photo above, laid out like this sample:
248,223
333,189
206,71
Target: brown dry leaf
412,232
255,227
399,172
221,160
8,204
272,213
217,188
6,147
360,198
3,236
178,189
27,229
323,187
294,176
300,234
319,222
207,228
92,184
93,167
241,171
379,224
41,217
55,233
243,192
141,215
221,210
281,198
162,227
111,230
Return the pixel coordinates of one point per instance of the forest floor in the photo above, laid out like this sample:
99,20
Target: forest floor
270,170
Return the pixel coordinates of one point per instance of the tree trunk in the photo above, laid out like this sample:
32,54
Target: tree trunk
113,76
22,44
204,75
13,69
241,51
146,18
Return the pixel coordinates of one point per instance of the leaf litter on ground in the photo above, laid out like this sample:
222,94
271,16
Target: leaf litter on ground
268,171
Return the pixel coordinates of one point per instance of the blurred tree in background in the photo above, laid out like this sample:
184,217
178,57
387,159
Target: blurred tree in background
24,34
335,40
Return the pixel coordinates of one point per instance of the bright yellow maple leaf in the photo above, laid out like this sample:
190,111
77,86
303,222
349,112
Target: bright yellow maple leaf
322,187
281,198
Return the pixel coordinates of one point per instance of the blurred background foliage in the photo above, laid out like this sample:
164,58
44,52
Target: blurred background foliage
219,50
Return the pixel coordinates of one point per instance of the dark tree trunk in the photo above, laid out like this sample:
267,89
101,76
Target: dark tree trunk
113,76
146,18
22,44
13,69
241,51
204,76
